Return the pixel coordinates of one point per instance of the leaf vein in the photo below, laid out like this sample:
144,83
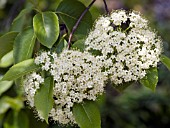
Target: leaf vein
87,114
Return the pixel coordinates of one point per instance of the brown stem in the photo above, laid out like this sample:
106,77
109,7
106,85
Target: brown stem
77,23
106,7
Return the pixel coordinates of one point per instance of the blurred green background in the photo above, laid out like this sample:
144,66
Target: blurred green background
137,106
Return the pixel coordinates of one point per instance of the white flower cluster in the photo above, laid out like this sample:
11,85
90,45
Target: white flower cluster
77,76
125,45
32,82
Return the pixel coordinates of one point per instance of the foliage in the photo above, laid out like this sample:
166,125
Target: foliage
47,28
45,96
136,107
89,113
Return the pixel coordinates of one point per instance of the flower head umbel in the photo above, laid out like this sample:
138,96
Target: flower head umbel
121,47
77,76
125,45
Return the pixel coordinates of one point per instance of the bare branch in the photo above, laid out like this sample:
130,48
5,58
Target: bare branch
106,7
77,23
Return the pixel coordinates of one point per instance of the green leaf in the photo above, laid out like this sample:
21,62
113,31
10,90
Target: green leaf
19,21
79,45
62,44
44,98
20,69
23,45
18,86
69,12
122,87
4,86
15,103
95,12
23,121
87,115
7,60
11,120
166,61
151,79
46,27
6,43
34,123
8,102
4,105
16,119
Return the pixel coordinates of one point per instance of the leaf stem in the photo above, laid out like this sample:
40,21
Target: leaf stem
106,7
77,23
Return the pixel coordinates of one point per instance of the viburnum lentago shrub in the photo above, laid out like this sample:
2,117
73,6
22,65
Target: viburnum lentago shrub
125,45
120,48
61,65
77,76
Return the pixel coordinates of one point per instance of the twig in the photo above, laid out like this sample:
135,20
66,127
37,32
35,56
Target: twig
106,7
77,23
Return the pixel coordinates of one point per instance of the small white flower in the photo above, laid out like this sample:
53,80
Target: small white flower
31,83
78,72
77,76
118,17
126,51
106,23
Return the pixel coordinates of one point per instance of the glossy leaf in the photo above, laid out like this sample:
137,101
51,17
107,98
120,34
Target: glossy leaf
7,60
4,86
46,27
79,45
20,69
19,21
166,61
6,43
151,79
87,115
23,45
69,12
44,98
